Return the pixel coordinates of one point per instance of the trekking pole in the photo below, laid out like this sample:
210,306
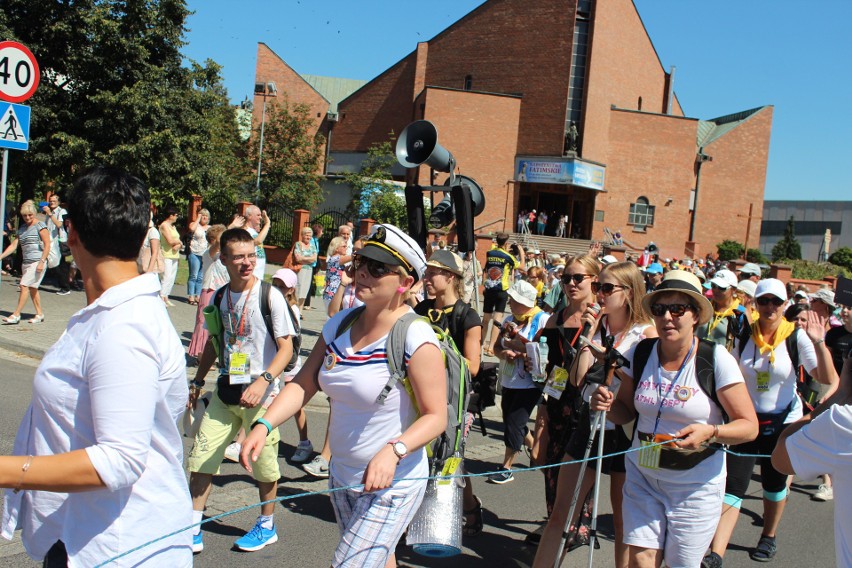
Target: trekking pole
593,528
565,530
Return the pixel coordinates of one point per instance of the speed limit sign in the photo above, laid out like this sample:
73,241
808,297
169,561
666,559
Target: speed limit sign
18,72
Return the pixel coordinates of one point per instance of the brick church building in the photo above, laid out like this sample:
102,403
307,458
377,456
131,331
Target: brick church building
556,105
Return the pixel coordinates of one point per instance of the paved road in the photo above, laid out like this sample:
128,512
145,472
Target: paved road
306,525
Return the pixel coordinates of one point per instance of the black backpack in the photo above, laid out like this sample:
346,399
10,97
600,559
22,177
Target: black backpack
266,312
704,367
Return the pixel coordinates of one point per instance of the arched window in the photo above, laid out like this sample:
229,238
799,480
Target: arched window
641,214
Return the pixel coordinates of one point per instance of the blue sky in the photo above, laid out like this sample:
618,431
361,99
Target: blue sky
730,56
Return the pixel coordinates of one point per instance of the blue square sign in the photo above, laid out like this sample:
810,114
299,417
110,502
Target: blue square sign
14,126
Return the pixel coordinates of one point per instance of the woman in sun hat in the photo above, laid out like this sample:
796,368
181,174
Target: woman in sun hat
673,493
771,376
520,392
372,442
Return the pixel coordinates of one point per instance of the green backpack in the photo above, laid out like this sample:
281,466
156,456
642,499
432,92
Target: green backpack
451,442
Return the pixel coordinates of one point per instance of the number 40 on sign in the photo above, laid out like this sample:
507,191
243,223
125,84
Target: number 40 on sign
19,73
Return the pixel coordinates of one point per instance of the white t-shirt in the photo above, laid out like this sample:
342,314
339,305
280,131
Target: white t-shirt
825,446
782,376
691,407
257,343
520,377
359,427
215,275
114,384
260,267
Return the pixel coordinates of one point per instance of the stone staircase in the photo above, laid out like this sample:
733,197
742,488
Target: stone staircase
551,245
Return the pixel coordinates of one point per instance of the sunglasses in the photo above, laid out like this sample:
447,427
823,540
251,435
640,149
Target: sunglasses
715,287
766,300
374,267
576,278
607,288
676,310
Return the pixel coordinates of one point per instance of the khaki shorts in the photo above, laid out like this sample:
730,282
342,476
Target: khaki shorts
220,424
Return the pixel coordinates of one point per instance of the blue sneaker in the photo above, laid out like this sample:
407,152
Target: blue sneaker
197,543
257,538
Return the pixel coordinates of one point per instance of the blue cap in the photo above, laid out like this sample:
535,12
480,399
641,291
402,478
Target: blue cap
654,268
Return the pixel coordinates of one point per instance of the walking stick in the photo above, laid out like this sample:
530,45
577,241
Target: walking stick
612,361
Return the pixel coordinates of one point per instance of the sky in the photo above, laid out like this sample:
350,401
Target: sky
729,56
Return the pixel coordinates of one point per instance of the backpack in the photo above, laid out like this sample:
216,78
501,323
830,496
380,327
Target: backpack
791,343
704,367
806,386
451,442
266,312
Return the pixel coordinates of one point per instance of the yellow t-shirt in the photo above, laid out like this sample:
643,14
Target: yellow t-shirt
169,251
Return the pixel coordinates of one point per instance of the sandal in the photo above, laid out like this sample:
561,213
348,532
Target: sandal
765,549
11,320
474,527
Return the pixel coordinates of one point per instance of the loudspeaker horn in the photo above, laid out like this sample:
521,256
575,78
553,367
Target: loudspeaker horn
418,144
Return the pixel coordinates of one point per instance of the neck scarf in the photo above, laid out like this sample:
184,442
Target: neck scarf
719,316
527,317
783,331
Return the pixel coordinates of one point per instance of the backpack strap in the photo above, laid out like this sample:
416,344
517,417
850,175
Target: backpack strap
457,319
705,372
265,309
217,301
745,334
640,358
395,349
348,321
792,345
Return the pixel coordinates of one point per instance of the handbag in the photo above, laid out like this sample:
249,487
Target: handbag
53,255
143,261
290,261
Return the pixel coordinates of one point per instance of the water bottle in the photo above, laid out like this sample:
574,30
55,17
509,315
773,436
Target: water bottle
543,350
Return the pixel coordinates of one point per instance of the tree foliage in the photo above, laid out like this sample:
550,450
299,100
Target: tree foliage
730,250
842,257
292,156
788,247
114,90
754,255
373,190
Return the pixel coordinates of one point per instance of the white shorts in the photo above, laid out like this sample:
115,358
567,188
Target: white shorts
679,519
30,277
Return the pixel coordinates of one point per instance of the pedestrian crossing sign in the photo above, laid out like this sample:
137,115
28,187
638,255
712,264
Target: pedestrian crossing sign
14,126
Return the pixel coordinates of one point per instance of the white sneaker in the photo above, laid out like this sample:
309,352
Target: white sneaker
303,452
232,452
823,493
318,467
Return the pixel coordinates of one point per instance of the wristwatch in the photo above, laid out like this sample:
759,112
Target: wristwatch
399,448
266,376
197,383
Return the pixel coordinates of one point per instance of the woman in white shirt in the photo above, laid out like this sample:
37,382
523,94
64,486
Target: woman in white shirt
98,464
372,443
673,492
197,248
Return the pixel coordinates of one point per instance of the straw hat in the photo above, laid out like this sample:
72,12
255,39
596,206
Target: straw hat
685,283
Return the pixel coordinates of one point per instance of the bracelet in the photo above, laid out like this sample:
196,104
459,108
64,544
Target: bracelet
715,435
24,469
818,341
265,422
197,383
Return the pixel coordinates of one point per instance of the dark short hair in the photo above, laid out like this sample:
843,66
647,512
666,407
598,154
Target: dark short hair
234,236
502,238
792,312
110,211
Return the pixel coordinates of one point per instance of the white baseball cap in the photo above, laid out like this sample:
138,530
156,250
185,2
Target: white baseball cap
771,286
524,293
724,279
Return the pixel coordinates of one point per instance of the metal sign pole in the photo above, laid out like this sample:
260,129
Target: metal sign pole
3,198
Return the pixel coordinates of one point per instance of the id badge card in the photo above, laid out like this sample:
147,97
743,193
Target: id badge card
556,383
649,455
239,368
763,381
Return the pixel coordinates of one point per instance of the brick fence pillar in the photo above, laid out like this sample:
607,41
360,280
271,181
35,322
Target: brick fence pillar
365,228
301,218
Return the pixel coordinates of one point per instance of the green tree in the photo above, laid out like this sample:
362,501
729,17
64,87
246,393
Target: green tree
292,157
842,257
373,190
754,255
730,250
788,247
114,89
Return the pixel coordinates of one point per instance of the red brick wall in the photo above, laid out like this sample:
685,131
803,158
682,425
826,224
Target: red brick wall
481,133
652,156
379,107
623,66
270,67
735,178
513,46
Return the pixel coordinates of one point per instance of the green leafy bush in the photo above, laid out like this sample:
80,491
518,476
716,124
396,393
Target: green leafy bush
809,270
730,250
842,257
754,255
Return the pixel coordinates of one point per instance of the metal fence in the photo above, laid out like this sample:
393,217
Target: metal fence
331,220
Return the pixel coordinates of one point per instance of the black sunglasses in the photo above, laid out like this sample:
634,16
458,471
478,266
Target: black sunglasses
374,267
576,278
676,310
606,288
716,287
766,300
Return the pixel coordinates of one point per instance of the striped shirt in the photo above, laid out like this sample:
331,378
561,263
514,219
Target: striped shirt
31,245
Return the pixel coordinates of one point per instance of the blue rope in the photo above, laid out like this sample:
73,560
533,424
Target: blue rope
348,487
